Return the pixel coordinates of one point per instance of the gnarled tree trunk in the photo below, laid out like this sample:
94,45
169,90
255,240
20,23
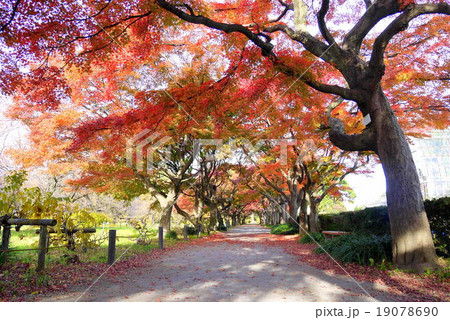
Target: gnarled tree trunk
412,243
313,213
293,211
166,217
167,204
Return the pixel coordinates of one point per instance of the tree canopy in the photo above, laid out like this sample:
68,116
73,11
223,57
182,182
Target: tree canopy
86,76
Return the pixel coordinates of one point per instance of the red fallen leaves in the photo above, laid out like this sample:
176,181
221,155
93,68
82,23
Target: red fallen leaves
15,285
405,286
18,284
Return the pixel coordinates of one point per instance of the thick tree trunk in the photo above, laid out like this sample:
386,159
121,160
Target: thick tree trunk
234,220
303,216
213,217
276,216
313,216
220,220
412,243
313,220
167,204
198,211
166,217
293,212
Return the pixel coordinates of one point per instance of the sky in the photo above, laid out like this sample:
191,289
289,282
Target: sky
370,189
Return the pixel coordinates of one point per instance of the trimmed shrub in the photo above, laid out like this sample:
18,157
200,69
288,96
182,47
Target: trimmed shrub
376,221
171,235
308,238
360,249
370,220
192,230
438,212
284,229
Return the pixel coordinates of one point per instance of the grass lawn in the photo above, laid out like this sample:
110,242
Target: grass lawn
27,238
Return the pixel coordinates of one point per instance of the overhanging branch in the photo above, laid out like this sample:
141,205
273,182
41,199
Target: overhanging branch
265,46
322,24
364,141
399,24
11,18
346,93
313,45
374,14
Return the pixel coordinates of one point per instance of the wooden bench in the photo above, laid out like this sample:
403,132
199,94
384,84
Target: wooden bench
332,234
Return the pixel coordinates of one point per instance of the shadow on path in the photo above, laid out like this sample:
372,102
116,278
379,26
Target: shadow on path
224,271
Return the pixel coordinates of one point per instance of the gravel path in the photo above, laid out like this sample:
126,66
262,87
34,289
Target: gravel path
223,271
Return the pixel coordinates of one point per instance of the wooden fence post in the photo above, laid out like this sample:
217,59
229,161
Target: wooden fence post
112,247
47,242
5,238
161,237
186,233
42,248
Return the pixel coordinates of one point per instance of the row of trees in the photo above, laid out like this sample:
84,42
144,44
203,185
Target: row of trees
88,75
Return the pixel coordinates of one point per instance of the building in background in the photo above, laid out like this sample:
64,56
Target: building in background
432,158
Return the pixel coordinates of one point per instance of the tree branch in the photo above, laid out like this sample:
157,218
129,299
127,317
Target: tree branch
300,12
346,93
338,181
183,213
313,45
287,7
265,46
374,14
322,24
364,141
13,14
277,189
102,29
399,24
94,15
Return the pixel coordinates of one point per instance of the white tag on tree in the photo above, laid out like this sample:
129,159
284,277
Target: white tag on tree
367,119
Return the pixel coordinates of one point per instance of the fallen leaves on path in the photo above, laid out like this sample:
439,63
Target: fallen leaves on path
19,284
405,286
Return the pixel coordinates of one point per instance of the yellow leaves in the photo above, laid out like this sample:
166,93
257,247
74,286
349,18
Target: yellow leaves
404,76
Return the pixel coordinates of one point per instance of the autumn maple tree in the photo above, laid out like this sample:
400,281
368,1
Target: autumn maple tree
80,73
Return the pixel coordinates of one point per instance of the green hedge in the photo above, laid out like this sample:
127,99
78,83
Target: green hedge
313,237
192,231
284,229
370,220
171,235
438,212
375,221
357,248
